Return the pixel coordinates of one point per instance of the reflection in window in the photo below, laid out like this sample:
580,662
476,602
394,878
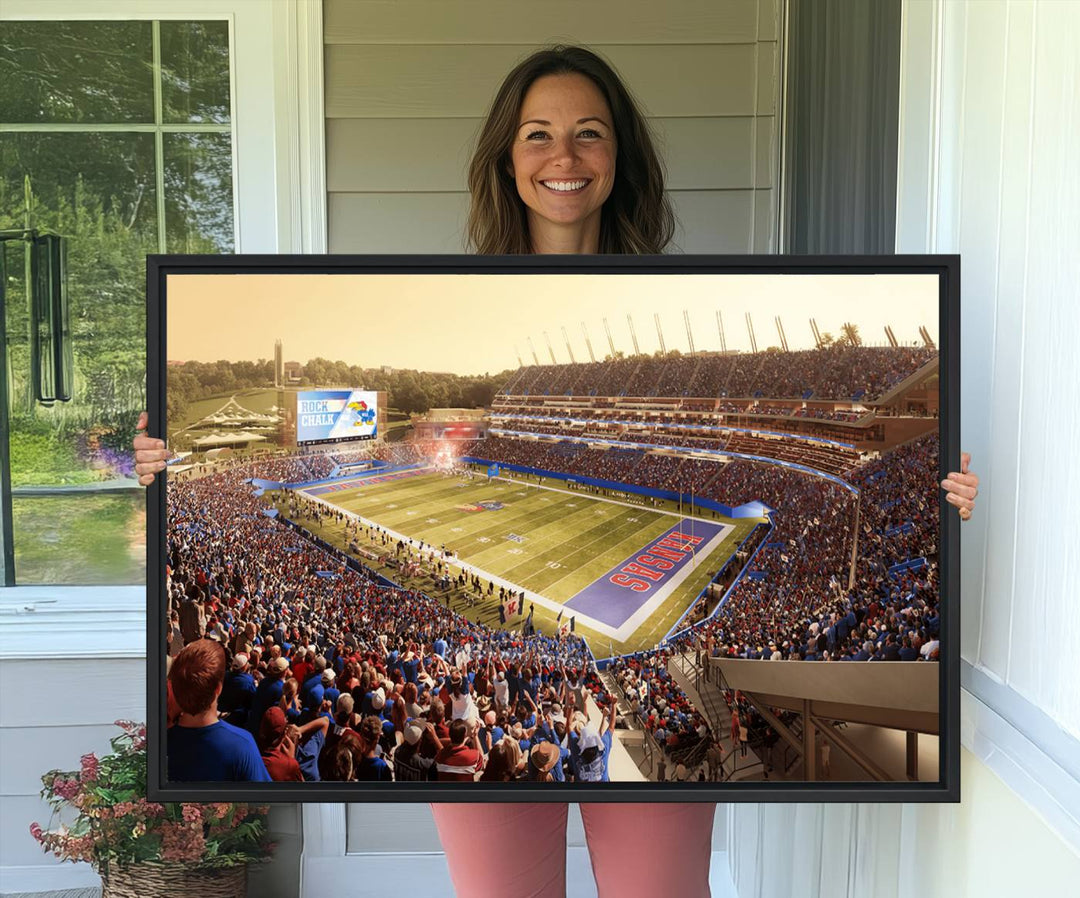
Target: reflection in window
136,175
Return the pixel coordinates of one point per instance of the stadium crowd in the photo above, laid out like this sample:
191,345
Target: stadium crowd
839,372
327,673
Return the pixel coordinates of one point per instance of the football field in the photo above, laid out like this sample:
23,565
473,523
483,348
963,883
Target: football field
625,571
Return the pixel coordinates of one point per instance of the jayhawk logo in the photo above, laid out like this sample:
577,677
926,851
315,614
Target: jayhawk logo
364,415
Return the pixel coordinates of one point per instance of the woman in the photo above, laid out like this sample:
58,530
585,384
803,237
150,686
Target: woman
565,164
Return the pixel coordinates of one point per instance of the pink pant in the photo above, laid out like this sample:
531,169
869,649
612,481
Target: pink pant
520,849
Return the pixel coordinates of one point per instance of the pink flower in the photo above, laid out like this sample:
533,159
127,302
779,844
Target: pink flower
149,808
89,767
192,813
65,788
36,832
181,842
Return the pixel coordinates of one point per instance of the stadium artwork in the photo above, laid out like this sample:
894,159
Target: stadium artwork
460,528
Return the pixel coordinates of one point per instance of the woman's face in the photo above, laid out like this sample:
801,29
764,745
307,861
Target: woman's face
563,154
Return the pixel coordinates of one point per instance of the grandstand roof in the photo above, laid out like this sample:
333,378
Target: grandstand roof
233,414
227,439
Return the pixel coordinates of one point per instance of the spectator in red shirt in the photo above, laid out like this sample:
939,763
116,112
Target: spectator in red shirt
460,762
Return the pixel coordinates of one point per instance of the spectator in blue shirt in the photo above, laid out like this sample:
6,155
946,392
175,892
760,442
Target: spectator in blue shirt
200,747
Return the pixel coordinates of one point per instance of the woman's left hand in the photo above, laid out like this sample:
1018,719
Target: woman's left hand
962,487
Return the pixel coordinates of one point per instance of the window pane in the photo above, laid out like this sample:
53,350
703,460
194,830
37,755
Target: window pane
98,191
76,72
195,71
198,193
82,539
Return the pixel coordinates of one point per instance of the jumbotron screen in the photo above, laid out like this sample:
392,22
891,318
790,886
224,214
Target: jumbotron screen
334,416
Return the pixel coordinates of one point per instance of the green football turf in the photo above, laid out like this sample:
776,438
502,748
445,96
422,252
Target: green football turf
570,538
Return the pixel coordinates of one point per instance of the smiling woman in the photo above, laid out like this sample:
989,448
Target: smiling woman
565,163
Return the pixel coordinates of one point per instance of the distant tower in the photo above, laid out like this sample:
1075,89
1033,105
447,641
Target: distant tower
279,365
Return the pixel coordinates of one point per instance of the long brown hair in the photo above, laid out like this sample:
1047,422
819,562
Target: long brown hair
637,216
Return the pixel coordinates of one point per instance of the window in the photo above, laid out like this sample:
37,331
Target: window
118,136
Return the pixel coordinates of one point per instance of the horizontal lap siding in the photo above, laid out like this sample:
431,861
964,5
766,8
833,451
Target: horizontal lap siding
52,713
408,84
402,22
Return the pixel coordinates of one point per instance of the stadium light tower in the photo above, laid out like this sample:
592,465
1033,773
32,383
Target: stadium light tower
720,328
689,336
551,351
817,334
750,331
588,342
925,334
891,337
536,361
780,331
633,334
659,332
573,361
521,364
610,342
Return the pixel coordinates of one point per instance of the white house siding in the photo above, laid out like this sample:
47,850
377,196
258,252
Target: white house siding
408,83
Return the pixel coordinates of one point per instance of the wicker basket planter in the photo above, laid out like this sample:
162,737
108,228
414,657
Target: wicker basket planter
150,880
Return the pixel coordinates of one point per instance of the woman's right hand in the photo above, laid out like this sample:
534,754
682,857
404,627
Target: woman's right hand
150,453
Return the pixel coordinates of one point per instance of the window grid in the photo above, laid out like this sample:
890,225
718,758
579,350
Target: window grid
159,128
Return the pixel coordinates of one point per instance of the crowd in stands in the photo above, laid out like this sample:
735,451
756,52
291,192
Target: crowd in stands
838,372
663,707
797,601
333,675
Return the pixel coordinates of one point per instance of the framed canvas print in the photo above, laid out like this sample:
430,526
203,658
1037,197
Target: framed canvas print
554,528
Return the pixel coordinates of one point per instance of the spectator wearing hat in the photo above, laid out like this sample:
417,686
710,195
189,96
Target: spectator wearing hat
548,738
374,702
409,766
238,693
200,747
330,692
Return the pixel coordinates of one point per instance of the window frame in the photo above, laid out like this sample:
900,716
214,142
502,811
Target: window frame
279,205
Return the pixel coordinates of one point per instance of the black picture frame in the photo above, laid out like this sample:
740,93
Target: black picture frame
947,789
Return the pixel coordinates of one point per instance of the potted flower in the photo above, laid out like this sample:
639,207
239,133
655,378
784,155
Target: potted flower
142,848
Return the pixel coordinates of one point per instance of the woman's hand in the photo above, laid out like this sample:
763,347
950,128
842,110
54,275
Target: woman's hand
150,454
962,487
